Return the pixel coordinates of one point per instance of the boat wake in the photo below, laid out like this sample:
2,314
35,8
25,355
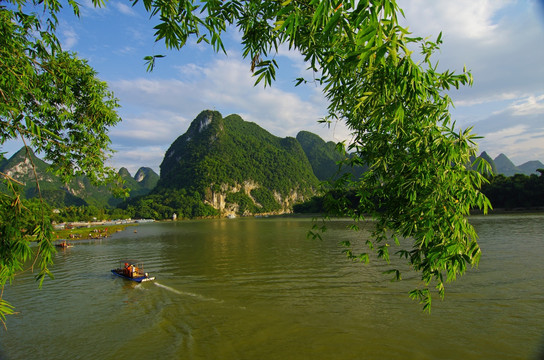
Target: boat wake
184,293
168,288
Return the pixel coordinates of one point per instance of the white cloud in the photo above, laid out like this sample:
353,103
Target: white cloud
533,105
126,50
520,143
496,97
296,60
159,110
462,18
134,158
190,70
498,40
87,8
517,130
495,39
226,85
156,129
136,34
154,95
507,133
69,36
125,9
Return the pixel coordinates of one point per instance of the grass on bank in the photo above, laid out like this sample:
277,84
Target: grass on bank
93,232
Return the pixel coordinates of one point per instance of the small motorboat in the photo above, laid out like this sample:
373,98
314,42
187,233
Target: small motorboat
132,270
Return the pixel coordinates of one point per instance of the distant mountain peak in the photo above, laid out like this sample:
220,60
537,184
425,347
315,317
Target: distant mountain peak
204,120
531,167
502,157
507,168
142,173
147,178
484,155
124,172
20,166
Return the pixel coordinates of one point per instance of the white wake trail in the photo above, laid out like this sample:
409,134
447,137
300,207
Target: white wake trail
184,293
168,288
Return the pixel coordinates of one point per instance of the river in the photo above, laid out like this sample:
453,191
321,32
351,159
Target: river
259,289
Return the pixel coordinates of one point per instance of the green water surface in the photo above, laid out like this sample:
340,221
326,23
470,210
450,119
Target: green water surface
259,289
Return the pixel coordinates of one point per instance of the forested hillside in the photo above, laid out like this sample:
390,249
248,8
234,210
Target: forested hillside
516,192
23,166
236,166
325,157
227,165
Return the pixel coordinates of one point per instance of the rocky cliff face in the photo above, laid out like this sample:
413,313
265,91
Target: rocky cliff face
219,200
21,167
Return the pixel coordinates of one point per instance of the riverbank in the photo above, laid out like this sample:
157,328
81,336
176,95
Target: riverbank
502,211
92,232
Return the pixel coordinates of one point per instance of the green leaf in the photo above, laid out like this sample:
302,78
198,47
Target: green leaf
333,21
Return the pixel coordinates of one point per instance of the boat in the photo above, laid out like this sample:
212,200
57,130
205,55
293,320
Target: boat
132,270
64,245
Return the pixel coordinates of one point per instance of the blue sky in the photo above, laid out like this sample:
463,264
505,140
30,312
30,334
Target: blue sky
500,41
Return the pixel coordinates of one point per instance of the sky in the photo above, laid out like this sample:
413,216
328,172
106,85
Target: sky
500,41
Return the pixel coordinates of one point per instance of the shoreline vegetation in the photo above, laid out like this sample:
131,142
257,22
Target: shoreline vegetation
94,231
89,232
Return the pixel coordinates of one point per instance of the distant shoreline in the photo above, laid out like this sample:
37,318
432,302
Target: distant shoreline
93,232
501,211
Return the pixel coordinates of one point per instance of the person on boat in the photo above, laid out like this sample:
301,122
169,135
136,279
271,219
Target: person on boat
63,244
126,270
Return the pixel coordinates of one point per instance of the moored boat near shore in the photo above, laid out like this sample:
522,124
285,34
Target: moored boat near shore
63,245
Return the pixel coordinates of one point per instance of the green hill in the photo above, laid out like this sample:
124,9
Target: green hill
505,166
21,167
324,157
147,178
142,183
485,156
490,160
531,167
78,192
219,166
237,167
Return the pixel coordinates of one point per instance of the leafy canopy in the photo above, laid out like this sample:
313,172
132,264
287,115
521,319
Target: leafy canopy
54,103
420,185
